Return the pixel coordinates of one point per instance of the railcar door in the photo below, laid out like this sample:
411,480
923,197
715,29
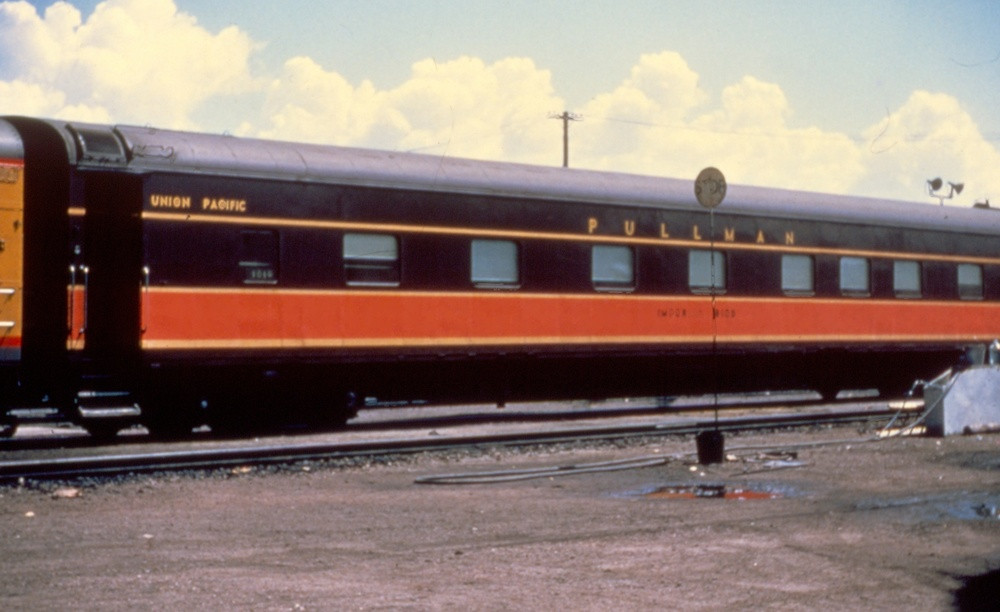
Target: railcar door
111,278
40,254
11,267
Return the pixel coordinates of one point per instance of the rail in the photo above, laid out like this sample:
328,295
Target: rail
257,454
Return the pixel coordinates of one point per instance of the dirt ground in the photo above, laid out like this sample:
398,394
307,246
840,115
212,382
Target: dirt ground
889,525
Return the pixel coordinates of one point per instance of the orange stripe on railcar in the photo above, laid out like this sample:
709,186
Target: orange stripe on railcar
219,318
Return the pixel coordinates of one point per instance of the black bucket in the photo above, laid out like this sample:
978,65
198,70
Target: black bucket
711,447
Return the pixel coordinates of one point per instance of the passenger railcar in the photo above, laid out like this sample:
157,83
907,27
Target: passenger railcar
174,278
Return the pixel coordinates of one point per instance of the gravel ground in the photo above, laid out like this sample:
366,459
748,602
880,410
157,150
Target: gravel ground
894,525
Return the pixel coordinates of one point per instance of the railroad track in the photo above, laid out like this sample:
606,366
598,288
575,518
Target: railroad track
384,417
260,452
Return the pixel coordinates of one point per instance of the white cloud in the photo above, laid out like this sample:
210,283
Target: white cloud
659,121
462,107
19,97
753,133
930,136
661,91
134,60
143,61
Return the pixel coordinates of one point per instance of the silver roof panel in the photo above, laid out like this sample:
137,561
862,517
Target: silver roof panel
160,150
156,150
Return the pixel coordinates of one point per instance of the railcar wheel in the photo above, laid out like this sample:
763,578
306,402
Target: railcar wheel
165,427
235,414
256,410
171,419
896,391
829,394
103,431
331,412
325,420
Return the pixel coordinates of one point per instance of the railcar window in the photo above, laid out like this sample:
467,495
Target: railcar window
612,268
970,281
259,257
371,260
906,279
798,275
855,276
707,271
495,264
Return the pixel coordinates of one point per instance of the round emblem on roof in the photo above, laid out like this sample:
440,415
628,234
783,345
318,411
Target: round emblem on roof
710,187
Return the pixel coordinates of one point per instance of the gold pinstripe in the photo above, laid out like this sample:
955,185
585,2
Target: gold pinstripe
351,343
596,295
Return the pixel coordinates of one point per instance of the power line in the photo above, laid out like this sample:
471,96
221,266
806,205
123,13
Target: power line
797,133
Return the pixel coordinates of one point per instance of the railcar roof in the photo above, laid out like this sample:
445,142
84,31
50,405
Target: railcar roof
10,142
156,150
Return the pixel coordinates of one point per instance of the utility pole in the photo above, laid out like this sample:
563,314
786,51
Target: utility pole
566,117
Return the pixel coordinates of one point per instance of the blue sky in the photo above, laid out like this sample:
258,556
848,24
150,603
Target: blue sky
844,61
853,96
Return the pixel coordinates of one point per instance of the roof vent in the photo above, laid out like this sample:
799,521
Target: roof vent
99,145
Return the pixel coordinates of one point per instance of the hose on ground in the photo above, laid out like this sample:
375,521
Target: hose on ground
500,476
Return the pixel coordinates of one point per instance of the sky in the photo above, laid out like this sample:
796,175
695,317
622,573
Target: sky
851,97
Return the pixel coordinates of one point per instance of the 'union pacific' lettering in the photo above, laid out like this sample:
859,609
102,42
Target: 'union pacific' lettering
170,201
224,205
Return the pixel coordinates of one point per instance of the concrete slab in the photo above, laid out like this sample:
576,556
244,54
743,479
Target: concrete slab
968,402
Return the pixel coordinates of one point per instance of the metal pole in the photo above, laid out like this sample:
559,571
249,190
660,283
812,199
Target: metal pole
566,117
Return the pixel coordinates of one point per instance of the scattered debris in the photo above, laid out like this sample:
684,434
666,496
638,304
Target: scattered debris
916,430
711,491
67,493
987,511
981,429
779,464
